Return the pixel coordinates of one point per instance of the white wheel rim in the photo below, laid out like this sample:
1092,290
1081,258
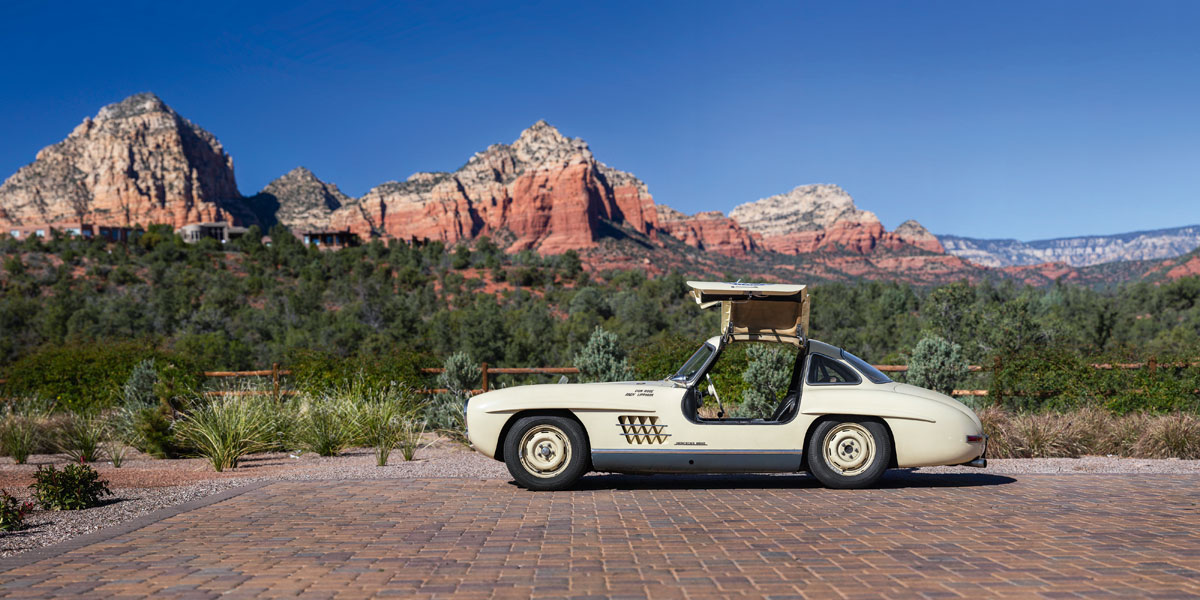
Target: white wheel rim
849,449
545,451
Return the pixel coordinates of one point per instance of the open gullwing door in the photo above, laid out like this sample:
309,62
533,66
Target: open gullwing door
757,312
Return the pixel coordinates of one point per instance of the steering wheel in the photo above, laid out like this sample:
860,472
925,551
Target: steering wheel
712,391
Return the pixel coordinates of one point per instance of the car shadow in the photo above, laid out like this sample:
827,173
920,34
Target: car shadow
893,479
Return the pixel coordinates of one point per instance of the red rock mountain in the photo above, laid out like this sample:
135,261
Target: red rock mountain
137,161
815,218
711,231
543,191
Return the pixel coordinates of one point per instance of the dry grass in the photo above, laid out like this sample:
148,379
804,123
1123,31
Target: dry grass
1171,436
1090,431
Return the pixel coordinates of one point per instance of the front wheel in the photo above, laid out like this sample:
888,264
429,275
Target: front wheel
546,453
846,454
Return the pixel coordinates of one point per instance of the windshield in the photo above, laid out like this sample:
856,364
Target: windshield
693,364
875,375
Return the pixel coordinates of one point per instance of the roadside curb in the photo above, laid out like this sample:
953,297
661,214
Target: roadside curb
107,533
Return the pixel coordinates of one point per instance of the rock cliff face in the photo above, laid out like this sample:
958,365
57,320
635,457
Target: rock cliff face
547,191
1077,251
914,233
711,231
137,161
815,218
299,201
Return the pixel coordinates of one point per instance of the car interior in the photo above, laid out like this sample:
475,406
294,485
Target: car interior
785,410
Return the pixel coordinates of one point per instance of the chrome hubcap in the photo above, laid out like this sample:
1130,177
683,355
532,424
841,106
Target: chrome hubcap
849,448
545,451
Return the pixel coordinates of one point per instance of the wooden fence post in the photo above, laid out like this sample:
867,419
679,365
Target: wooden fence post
483,371
275,381
1152,365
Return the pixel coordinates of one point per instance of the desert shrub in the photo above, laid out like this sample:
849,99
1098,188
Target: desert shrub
317,372
460,374
139,386
661,358
936,364
86,377
12,512
81,437
149,428
225,429
602,358
1170,436
445,412
1048,378
1134,390
75,487
767,379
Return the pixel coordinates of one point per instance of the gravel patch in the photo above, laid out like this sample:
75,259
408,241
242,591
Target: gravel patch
50,527
143,484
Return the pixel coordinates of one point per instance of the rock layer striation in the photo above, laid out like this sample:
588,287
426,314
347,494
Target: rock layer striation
545,190
137,161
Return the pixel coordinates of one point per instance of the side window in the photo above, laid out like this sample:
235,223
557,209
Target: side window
823,370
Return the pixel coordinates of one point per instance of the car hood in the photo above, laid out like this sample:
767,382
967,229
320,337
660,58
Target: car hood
932,396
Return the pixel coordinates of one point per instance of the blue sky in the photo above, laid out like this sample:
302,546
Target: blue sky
1012,119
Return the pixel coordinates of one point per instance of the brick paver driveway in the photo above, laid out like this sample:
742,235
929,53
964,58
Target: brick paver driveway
658,537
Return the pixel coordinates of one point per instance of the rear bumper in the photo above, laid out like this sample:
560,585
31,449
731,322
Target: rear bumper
981,461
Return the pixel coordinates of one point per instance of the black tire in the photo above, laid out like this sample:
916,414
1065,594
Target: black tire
557,453
848,453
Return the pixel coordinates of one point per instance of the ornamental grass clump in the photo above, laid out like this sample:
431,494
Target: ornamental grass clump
224,430
81,437
1046,435
383,419
325,423
76,487
411,431
21,429
1171,436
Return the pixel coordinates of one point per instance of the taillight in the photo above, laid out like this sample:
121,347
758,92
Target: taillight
974,439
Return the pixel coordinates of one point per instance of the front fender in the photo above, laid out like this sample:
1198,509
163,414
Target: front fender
488,413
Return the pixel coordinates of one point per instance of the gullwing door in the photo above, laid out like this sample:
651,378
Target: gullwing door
757,312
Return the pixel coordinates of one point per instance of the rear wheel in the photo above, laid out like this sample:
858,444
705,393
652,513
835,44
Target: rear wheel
847,454
546,453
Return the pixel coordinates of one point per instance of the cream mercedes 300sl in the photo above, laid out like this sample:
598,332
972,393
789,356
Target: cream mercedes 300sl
841,419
